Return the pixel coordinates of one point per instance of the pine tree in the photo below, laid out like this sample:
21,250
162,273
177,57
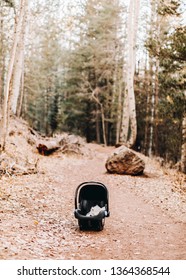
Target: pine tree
43,68
166,87
92,67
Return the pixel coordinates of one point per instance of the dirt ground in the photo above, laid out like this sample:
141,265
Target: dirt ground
147,221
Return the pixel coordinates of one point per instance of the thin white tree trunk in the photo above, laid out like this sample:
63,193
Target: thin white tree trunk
131,65
123,137
18,67
129,107
9,74
125,119
153,78
95,97
16,82
21,93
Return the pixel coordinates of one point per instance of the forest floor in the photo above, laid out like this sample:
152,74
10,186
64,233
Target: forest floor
147,220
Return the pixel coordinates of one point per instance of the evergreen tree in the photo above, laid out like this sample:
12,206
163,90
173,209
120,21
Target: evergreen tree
90,76
172,85
43,74
167,49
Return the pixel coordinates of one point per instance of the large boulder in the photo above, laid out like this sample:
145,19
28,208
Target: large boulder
125,161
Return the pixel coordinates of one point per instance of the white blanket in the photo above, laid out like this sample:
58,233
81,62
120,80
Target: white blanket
95,211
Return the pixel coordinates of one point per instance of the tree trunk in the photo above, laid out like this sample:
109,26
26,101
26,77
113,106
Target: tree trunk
9,74
125,119
183,148
95,97
151,131
146,88
152,84
19,110
129,108
123,137
18,67
156,82
1,56
16,82
98,137
131,65
119,111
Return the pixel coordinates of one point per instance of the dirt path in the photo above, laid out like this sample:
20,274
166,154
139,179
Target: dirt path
37,222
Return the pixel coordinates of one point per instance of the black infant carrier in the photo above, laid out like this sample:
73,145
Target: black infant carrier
91,205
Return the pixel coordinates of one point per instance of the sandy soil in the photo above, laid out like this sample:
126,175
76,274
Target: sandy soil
147,221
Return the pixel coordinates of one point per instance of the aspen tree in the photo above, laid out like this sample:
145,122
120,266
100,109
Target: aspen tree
129,125
6,109
19,64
